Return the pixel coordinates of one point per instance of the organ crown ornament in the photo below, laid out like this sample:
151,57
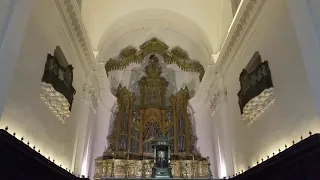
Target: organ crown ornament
176,56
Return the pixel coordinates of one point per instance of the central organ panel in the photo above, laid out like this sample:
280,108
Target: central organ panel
143,116
137,124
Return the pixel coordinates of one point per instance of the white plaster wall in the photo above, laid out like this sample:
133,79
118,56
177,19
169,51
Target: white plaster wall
203,127
24,111
314,6
5,11
294,112
212,17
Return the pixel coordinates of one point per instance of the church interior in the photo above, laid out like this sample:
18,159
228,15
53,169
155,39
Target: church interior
148,89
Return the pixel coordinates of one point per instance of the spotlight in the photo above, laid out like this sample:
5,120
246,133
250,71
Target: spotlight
285,146
279,150
22,139
14,134
6,128
34,147
301,137
268,157
28,143
293,142
310,133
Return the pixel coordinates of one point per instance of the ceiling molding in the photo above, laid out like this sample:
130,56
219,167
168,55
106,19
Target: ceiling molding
246,14
72,15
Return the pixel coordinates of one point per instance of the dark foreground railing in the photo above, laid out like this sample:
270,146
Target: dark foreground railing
299,162
155,178
18,161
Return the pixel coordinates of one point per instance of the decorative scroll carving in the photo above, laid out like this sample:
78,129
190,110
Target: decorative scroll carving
152,86
176,56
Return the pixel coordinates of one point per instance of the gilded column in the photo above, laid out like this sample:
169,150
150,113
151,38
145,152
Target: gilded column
187,131
130,113
175,130
118,129
163,123
141,131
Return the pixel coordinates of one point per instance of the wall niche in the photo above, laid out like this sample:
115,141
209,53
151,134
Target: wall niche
57,90
257,91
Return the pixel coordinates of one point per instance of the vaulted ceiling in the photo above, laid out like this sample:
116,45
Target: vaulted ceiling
197,26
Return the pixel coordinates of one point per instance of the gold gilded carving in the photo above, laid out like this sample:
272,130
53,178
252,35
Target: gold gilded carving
137,124
176,56
133,168
152,116
180,57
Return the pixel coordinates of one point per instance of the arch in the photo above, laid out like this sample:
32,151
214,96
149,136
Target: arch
169,19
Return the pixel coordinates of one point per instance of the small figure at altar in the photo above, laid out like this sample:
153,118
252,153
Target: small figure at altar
161,158
161,168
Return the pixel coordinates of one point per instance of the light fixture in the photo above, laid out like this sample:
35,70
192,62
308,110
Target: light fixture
258,105
55,101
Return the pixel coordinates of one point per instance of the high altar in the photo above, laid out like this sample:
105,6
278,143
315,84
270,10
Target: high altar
140,119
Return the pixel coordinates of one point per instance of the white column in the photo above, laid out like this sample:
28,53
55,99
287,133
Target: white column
12,34
83,131
223,134
86,117
87,148
226,138
304,26
101,127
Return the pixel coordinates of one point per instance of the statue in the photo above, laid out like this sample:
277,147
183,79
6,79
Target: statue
161,157
161,167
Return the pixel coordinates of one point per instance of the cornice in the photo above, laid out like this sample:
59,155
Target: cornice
247,13
72,15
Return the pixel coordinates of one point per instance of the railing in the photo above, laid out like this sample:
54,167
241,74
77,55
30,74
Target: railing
108,178
253,83
19,161
300,161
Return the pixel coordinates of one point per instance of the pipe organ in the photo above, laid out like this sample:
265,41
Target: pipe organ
142,117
